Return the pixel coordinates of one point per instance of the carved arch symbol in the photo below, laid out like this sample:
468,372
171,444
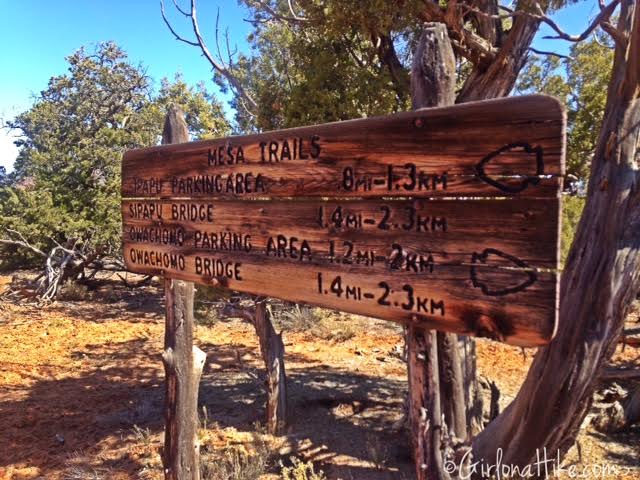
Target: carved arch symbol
483,258
528,180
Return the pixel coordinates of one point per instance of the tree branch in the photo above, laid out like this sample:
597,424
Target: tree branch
295,16
168,24
219,66
542,52
21,242
465,42
389,58
602,17
277,16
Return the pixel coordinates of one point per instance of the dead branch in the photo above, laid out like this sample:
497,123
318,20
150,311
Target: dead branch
274,15
293,13
21,241
603,16
218,65
247,314
542,52
610,374
145,281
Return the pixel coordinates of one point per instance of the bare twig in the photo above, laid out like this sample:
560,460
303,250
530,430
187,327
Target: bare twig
293,13
175,3
274,15
218,65
168,24
542,52
601,20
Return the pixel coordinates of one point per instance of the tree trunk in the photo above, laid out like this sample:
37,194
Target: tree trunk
452,385
183,362
600,280
272,349
499,77
425,414
272,352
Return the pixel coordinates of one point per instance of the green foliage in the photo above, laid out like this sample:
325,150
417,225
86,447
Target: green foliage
66,184
335,65
203,113
581,83
572,207
206,303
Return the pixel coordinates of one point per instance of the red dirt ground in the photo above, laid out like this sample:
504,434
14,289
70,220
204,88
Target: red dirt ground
82,388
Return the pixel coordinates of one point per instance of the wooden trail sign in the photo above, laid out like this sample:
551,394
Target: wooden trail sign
446,218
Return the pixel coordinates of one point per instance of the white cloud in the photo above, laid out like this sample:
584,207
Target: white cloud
8,151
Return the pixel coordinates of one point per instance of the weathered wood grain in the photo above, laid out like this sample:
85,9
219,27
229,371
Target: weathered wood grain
444,217
510,305
183,362
359,232
494,148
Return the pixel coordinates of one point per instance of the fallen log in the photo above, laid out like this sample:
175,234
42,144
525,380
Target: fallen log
619,415
610,374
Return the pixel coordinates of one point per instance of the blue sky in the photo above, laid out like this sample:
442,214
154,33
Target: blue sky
39,34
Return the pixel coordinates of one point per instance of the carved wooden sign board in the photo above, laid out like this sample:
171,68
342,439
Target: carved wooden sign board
445,217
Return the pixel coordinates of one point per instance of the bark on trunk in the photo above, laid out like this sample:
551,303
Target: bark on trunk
601,279
498,78
425,414
452,385
183,362
272,349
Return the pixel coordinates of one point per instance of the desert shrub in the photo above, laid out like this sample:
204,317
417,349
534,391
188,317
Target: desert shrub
206,304
297,318
572,207
300,470
236,462
342,333
315,322
78,467
74,291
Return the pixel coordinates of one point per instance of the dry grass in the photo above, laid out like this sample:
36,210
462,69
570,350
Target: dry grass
236,462
300,470
315,322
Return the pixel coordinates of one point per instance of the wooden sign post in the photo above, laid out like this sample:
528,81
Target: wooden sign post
443,218
183,362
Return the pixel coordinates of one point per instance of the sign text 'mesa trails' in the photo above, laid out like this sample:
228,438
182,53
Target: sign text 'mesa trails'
482,260
421,153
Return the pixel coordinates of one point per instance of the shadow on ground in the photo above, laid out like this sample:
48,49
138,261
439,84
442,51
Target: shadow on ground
335,415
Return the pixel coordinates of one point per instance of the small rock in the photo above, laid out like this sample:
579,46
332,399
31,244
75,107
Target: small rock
59,438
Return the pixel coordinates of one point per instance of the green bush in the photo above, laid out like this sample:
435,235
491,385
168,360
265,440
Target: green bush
572,207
